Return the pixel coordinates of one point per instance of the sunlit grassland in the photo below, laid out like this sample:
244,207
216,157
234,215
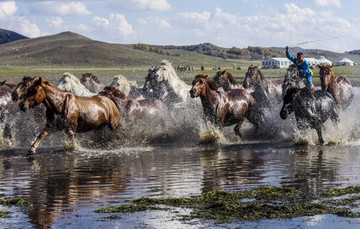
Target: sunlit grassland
52,74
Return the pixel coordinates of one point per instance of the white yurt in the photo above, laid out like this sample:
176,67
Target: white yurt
324,61
344,62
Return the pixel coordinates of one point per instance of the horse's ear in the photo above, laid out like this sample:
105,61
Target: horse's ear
3,83
40,80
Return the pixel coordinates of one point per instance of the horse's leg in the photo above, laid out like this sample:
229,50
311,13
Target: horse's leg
71,145
319,132
36,143
237,127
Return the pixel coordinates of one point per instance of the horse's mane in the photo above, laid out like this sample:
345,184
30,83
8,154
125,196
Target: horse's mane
116,92
124,80
329,69
92,76
8,84
228,74
71,76
209,82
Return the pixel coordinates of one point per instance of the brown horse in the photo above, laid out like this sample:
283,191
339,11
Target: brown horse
91,82
65,110
271,90
338,86
137,112
22,87
227,81
224,108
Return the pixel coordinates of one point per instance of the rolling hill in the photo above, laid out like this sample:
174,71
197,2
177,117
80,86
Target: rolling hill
75,50
9,36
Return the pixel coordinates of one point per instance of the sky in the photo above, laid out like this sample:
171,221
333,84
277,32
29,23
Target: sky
332,25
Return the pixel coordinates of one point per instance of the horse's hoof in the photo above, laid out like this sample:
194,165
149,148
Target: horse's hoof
31,151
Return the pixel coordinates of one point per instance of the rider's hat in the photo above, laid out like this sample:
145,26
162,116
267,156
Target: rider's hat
300,54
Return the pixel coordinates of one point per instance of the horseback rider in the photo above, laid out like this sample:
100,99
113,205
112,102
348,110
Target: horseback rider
302,66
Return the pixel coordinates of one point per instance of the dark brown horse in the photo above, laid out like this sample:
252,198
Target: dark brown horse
91,82
22,87
66,111
272,90
338,86
151,112
224,108
227,81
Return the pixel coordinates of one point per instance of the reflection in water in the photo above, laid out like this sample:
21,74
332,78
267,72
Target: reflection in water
66,187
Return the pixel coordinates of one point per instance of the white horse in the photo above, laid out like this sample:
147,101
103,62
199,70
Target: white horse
128,87
171,88
71,83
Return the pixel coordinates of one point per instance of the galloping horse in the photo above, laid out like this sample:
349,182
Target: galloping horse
65,110
91,82
71,83
225,108
166,84
311,109
292,79
272,90
338,86
148,112
226,80
22,88
128,87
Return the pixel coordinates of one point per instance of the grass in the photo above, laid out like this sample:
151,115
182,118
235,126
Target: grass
15,74
264,203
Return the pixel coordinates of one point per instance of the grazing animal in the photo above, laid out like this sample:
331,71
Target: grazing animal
91,82
265,91
311,109
136,112
225,108
69,82
66,111
166,85
338,86
128,87
292,79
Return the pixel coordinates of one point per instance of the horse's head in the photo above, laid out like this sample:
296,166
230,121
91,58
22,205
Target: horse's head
225,79
288,99
326,74
151,80
200,85
112,92
253,76
91,82
22,88
35,95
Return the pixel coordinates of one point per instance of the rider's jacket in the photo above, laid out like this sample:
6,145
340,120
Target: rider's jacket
303,68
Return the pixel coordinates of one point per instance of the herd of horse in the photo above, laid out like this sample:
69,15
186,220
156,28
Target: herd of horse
76,106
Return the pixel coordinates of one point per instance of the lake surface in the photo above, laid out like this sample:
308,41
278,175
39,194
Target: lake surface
65,188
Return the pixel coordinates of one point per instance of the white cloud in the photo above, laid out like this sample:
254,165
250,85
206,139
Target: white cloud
56,21
152,5
116,26
28,29
7,9
99,21
157,21
62,8
328,3
271,28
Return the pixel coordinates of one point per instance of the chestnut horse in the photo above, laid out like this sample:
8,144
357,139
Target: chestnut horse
338,86
137,112
225,108
272,90
65,110
91,82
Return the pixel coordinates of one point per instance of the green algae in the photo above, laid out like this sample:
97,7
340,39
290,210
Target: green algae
341,191
8,201
3,214
264,203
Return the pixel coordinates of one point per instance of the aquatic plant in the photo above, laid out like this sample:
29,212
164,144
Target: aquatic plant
264,203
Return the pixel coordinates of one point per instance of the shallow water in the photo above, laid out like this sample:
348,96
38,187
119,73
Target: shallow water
65,188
